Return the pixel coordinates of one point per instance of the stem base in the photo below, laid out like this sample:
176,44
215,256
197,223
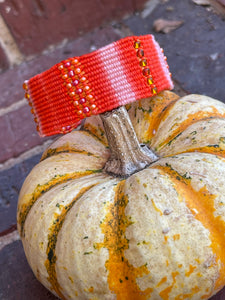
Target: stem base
127,155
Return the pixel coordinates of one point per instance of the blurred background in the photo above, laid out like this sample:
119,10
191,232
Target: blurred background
36,34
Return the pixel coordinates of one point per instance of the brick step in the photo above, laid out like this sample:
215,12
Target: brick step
196,57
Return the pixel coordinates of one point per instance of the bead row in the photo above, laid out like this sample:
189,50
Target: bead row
144,65
27,96
78,88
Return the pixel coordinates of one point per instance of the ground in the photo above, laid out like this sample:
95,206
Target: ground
196,55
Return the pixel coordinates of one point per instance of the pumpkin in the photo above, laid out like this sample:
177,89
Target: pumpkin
156,233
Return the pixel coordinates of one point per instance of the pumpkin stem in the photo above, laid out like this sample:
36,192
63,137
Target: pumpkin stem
127,155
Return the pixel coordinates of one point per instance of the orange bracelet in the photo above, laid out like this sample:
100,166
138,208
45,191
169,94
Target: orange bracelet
122,72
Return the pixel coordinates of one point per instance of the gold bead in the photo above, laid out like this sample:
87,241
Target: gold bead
27,96
143,62
154,90
25,85
137,44
150,80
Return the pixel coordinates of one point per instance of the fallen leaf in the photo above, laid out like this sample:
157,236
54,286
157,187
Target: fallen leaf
166,26
217,5
202,2
222,2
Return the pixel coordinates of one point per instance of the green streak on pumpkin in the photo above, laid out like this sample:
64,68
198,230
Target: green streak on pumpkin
211,149
190,120
96,132
52,240
121,274
41,189
65,149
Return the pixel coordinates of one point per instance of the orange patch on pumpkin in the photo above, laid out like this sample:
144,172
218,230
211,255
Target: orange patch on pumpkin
176,237
211,149
192,118
203,202
190,271
121,274
160,111
188,296
164,294
156,208
164,279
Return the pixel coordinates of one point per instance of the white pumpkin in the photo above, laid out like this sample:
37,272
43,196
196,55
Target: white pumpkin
156,234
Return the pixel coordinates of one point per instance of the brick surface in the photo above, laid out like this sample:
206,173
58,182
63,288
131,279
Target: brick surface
196,59
4,64
18,133
11,81
11,182
139,4
17,279
195,51
37,24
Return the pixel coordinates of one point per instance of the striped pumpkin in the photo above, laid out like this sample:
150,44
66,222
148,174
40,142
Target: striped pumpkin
158,234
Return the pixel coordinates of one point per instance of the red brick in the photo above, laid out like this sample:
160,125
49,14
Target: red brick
11,80
139,4
37,24
17,133
4,64
17,281
11,182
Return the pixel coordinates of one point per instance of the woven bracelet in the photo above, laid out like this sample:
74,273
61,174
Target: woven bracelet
122,72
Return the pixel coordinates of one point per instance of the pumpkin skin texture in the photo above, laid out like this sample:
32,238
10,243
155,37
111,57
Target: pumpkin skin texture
158,234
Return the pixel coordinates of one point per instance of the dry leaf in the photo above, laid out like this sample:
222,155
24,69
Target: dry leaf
202,2
222,2
166,26
217,5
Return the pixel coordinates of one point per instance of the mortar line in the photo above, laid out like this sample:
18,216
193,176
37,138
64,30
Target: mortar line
24,156
9,44
9,238
13,107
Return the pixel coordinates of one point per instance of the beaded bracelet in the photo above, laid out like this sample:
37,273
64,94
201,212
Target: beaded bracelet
122,72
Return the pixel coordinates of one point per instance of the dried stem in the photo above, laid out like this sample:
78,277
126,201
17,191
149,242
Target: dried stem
127,155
